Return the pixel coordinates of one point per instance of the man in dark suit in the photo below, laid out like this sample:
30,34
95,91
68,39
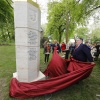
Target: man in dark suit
82,52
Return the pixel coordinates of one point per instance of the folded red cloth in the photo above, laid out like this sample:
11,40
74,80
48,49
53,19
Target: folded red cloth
63,72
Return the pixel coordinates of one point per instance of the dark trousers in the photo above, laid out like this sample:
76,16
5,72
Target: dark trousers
47,57
96,54
67,54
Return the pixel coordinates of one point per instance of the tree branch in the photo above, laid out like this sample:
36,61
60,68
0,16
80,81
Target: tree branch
92,10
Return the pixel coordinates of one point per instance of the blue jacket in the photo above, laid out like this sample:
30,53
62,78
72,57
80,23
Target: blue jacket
82,53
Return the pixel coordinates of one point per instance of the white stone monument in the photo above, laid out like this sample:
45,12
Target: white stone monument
27,17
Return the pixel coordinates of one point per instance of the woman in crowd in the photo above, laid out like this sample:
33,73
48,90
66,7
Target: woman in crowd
63,46
47,50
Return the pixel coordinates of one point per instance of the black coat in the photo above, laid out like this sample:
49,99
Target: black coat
82,53
58,47
98,48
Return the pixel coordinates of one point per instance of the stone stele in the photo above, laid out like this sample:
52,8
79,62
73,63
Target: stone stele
27,19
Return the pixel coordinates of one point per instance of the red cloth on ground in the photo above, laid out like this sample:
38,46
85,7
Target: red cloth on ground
77,71
57,66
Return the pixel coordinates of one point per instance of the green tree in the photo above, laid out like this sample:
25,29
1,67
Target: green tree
56,21
95,35
6,20
82,32
66,15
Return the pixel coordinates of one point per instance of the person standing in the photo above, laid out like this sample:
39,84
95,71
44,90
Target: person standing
82,52
94,51
57,46
71,48
63,49
47,50
63,46
98,50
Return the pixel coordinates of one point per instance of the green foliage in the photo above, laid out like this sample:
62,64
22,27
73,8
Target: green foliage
6,20
66,15
55,20
95,35
82,32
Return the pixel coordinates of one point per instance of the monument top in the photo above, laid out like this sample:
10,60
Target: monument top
31,2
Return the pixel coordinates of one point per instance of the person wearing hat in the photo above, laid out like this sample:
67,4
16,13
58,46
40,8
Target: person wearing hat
82,52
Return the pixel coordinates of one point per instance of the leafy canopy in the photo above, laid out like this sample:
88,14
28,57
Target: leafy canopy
65,16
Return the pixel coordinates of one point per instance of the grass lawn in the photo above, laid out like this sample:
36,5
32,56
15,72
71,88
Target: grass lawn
88,89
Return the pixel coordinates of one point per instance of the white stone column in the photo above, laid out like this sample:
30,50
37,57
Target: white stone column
27,17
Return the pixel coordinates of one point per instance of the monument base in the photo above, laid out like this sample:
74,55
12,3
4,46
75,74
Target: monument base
41,76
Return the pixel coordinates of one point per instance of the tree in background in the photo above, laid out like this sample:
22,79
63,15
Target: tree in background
6,20
95,35
56,21
82,32
65,16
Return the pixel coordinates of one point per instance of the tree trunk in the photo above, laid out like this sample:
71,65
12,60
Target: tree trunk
67,27
60,37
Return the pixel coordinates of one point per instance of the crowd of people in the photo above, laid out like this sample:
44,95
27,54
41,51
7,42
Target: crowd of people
78,50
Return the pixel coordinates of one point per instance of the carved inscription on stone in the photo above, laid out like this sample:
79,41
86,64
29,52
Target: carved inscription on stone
32,38
32,15
32,53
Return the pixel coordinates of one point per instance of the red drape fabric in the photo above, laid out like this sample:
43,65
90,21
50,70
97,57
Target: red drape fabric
57,66
61,77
